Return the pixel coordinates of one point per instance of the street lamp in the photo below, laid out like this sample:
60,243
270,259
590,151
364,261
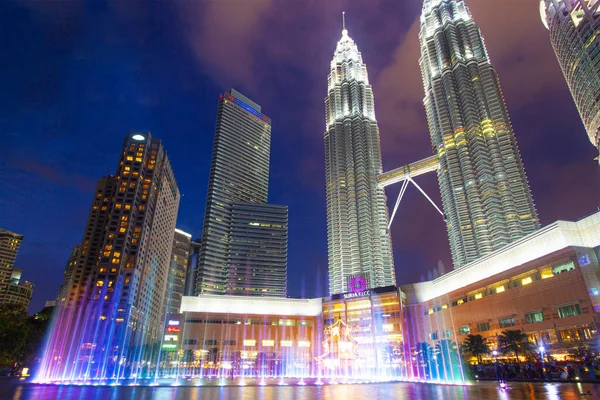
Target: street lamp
542,349
495,354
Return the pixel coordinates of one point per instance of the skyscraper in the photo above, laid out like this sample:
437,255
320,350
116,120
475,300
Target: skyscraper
114,303
258,250
485,193
70,268
9,247
13,290
357,237
180,257
239,173
574,27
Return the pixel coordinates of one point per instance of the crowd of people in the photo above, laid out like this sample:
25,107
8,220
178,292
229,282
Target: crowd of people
539,370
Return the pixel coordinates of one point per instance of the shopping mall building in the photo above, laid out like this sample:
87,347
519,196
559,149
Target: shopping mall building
546,284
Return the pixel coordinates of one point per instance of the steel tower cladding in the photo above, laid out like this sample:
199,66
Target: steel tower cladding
574,27
239,173
485,193
358,240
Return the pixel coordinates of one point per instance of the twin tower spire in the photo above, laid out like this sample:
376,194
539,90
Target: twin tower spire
486,198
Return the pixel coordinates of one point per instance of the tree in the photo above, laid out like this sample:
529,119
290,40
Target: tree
476,346
514,341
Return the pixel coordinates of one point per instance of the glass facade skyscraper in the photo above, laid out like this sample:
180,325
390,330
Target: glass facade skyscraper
258,250
239,173
574,27
358,240
485,193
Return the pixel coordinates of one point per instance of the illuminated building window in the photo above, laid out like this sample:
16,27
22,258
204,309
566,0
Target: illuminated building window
464,330
268,343
534,317
483,327
103,317
99,283
506,322
285,343
571,310
249,342
119,320
478,296
388,327
303,343
526,281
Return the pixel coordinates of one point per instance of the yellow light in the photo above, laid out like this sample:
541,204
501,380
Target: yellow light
285,343
478,296
268,343
526,281
500,289
303,343
388,327
249,342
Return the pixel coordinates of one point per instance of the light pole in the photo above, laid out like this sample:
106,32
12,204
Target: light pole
542,349
495,354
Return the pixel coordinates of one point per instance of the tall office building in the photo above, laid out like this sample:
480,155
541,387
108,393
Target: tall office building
13,290
574,27
70,268
192,268
180,257
258,250
485,193
9,247
239,173
358,240
77,281
114,302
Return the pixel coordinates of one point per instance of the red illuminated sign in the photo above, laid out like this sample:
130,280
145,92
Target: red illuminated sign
172,329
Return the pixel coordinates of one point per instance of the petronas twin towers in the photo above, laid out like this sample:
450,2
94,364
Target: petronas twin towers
485,194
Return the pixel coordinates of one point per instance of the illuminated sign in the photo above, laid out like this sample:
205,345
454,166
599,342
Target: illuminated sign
584,260
169,346
172,329
357,284
173,323
355,295
170,338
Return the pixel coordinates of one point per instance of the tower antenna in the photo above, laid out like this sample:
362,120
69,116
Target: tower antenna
344,20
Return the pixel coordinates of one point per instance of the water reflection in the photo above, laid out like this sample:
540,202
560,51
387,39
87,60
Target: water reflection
483,391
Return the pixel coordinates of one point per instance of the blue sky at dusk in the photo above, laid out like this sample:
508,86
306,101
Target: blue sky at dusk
76,77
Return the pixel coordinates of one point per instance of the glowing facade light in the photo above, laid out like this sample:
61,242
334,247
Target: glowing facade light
138,138
173,323
486,197
353,164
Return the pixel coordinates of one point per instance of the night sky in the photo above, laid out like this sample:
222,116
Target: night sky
76,77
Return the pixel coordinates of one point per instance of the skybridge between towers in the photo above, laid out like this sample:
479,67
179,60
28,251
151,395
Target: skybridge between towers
405,175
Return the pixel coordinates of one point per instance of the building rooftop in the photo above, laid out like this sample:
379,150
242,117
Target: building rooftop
251,305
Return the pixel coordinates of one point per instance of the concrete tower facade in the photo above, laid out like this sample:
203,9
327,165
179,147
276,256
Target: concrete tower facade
574,27
358,241
485,193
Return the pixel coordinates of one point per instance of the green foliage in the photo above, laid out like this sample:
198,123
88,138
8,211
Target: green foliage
514,341
21,336
476,346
